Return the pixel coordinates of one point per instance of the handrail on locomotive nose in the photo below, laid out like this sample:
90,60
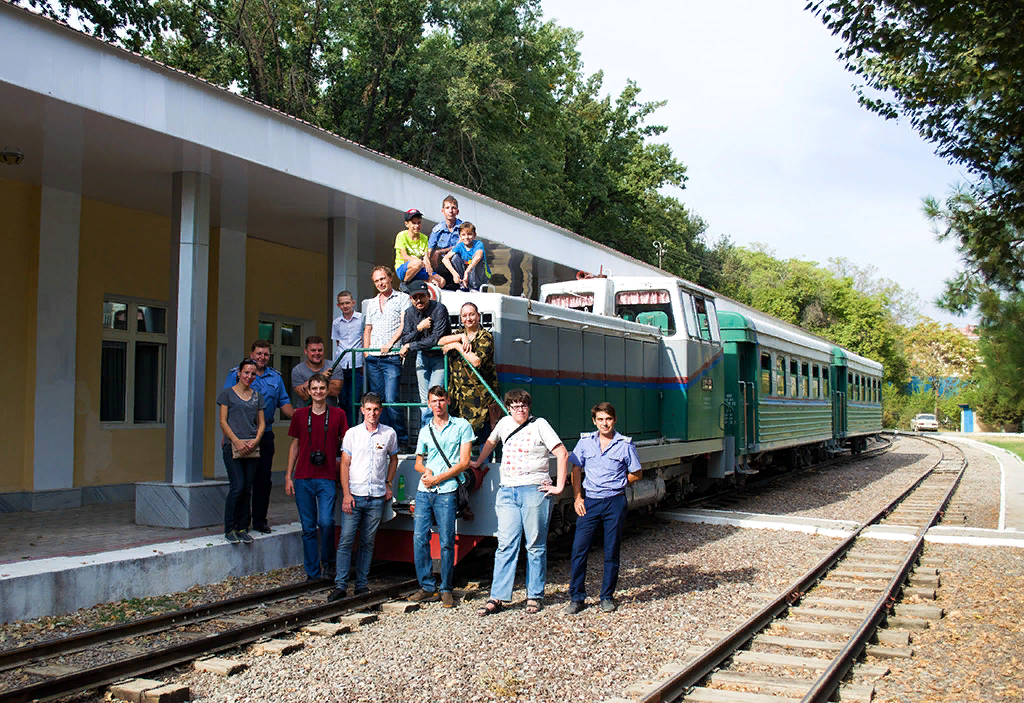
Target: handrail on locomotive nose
355,392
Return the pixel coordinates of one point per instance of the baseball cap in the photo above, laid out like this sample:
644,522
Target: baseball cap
411,213
418,286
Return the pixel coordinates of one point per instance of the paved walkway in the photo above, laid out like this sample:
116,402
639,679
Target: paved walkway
100,528
1011,509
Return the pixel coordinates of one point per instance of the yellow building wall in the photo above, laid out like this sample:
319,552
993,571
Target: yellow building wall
279,280
121,252
19,274
126,253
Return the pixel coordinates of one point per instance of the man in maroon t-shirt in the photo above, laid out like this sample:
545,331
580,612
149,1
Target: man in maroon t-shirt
316,433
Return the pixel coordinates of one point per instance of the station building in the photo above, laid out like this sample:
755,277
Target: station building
153,225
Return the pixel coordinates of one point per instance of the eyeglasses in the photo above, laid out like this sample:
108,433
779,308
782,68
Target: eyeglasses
518,406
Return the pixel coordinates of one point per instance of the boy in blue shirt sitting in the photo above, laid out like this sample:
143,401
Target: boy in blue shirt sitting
466,260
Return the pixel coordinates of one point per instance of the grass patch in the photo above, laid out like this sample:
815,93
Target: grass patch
1014,445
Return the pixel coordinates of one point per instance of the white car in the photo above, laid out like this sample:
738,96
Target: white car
924,422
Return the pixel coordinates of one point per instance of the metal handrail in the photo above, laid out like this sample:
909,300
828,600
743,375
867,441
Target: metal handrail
359,350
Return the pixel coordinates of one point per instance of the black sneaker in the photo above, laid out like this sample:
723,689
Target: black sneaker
362,591
336,594
244,537
263,529
574,607
329,572
232,537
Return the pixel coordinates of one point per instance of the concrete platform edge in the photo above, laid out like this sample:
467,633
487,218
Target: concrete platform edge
64,584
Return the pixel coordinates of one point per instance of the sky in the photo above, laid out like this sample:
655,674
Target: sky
777,149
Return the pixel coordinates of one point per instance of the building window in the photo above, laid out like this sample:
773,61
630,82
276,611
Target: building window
133,362
287,337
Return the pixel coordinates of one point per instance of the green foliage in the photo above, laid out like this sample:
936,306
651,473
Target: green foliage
956,70
484,93
999,394
938,352
128,22
894,402
804,294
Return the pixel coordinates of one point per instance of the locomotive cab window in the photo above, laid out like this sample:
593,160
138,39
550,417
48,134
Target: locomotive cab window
648,307
805,378
582,300
701,310
794,379
766,375
780,375
815,381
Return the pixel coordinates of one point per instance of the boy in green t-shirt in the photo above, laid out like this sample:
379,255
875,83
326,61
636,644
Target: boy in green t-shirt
411,263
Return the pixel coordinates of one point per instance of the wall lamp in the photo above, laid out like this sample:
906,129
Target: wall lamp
11,156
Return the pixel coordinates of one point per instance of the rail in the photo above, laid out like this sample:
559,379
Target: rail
362,350
823,688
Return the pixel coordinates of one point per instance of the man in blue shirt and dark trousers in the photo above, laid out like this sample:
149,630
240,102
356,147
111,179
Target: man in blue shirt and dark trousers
611,462
270,385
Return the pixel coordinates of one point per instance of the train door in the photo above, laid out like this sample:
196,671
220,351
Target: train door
595,379
544,388
840,387
570,383
615,374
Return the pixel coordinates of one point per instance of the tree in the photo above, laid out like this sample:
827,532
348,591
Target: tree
903,304
940,355
804,294
999,393
956,69
128,22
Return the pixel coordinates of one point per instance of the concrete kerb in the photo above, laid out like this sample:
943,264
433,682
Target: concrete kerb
61,585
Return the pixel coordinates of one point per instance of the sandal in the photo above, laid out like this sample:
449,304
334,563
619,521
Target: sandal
491,607
534,606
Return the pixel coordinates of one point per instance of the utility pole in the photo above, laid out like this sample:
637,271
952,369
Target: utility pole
660,248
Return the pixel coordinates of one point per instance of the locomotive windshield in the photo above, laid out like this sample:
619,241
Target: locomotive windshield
648,307
575,301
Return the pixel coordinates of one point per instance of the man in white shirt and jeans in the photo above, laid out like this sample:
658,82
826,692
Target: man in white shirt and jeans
347,333
524,500
369,458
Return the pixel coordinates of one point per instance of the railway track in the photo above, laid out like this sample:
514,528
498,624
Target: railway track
145,646
720,499
866,577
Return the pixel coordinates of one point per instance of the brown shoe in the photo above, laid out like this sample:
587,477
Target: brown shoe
447,599
422,596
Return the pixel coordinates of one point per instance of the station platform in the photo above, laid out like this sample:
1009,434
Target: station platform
1010,531
59,561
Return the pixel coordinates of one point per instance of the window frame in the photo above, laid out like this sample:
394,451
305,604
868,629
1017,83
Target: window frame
130,337
279,350
780,372
762,371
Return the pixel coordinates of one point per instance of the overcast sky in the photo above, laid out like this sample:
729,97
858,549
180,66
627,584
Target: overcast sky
777,149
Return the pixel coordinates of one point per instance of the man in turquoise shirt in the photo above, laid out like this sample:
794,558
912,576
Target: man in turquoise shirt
442,453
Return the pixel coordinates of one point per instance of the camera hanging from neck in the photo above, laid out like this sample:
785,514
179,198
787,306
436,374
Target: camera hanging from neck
317,457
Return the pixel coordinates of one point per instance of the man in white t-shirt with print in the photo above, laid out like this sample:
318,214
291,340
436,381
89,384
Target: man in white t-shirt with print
524,500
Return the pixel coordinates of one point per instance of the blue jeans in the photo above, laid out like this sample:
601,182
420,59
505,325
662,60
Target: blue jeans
382,374
521,509
314,498
429,373
431,507
610,512
240,477
365,517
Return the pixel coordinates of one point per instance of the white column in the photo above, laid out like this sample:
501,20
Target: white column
231,343
56,329
186,368
342,252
